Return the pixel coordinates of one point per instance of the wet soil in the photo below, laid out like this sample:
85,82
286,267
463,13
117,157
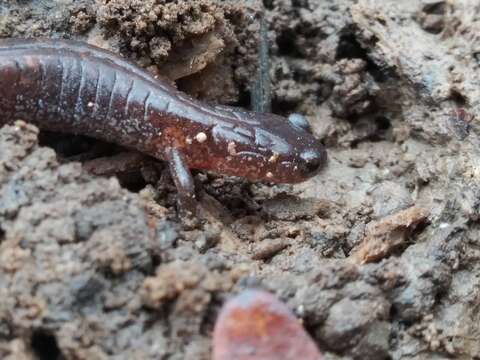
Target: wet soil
377,255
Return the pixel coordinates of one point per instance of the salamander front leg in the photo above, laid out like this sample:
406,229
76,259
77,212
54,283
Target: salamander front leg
183,181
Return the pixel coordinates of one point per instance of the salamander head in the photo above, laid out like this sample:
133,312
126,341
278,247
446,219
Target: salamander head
271,148
297,153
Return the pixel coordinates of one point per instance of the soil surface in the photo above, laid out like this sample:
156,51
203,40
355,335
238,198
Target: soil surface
377,255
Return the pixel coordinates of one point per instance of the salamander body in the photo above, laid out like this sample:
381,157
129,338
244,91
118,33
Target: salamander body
76,88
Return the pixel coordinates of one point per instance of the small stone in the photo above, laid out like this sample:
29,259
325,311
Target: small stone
269,248
254,325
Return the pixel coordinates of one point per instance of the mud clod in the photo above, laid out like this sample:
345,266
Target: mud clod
385,235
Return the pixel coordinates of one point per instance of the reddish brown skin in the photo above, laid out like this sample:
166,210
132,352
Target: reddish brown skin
256,326
76,88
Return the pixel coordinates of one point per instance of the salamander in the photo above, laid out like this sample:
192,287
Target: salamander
72,87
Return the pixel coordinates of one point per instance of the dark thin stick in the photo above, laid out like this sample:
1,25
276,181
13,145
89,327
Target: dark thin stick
261,91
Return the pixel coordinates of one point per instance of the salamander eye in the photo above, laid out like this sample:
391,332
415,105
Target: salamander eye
299,121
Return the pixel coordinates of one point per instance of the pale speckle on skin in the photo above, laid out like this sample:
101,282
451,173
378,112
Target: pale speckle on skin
231,148
269,175
188,140
273,158
201,137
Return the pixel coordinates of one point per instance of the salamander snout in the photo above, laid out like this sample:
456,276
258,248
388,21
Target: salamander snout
312,160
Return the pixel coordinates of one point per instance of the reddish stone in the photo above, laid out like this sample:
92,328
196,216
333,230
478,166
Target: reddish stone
254,325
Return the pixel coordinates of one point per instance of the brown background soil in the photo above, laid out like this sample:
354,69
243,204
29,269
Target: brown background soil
378,255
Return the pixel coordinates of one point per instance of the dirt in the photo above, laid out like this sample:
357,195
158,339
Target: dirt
96,267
